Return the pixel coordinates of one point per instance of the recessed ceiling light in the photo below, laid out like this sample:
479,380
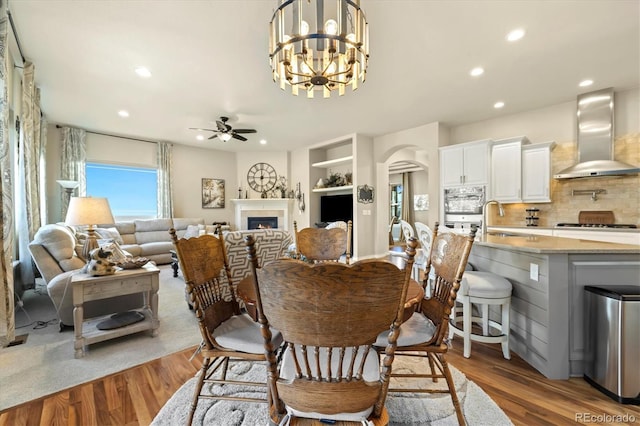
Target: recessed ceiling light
476,71
515,35
123,113
263,142
200,137
498,105
143,72
585,83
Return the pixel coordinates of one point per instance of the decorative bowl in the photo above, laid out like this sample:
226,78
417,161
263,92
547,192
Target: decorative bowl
134,263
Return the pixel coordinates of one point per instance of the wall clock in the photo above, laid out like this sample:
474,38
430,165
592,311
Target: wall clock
262,177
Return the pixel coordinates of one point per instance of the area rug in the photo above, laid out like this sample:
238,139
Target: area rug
404,409
45,364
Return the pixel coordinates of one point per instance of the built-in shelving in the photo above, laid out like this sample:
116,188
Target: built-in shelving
334,188
333,163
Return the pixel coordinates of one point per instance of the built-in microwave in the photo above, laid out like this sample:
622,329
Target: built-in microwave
463,206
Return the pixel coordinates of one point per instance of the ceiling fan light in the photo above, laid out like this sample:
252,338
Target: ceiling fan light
224,137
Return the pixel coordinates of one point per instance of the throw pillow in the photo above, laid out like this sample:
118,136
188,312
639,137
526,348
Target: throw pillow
192,231
109,233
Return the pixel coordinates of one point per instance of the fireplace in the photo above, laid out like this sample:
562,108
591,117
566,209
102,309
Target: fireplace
276,210
262,222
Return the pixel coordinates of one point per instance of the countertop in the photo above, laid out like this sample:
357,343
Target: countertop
566,228
551,245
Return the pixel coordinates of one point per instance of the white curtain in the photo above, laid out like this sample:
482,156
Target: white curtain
30,153
165,159
74,157
7,320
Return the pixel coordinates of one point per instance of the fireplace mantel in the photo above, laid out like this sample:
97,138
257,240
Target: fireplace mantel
282,205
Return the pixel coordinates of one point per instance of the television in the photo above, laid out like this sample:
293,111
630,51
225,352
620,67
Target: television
336,207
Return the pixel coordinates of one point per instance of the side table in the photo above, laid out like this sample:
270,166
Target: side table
86,288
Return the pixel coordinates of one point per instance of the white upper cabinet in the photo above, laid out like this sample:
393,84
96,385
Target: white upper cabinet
465,164
506,169
536,172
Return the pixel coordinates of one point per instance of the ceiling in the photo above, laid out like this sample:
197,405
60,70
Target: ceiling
209,58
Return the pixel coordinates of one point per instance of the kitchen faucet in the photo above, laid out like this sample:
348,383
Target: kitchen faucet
484,214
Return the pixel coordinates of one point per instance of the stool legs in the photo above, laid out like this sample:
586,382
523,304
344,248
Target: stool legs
483,320
506,309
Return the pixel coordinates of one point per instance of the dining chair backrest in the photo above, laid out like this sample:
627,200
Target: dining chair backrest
205,268
330,314
407,230
424,235
323,244
448,257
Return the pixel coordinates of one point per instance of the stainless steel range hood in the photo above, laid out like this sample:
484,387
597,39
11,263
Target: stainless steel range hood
595,139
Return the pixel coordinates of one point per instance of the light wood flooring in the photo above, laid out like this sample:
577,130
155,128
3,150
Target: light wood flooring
134,396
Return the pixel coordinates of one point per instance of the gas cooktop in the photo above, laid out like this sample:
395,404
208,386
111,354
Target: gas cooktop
596,225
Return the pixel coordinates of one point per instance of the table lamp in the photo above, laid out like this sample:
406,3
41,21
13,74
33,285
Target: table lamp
88,211
69,186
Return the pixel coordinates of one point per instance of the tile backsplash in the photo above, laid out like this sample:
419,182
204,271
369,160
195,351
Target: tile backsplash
622,193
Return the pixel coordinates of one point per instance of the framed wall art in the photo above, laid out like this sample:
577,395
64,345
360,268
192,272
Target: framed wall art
365,194
212,193
421,202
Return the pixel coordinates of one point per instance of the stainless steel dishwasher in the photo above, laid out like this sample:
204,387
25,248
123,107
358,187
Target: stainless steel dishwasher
612,341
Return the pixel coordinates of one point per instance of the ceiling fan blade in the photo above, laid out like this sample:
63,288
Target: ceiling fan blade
222,127
242,138
213,136
245,130
203,130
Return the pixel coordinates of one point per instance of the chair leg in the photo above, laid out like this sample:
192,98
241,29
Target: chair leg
466,328
484,309
198,389
452,390
434,379
506,327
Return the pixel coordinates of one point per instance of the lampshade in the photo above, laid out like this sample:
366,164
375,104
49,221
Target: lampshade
68,184
319,45
88,211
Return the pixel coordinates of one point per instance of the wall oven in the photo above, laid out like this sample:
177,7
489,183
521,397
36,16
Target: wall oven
463,206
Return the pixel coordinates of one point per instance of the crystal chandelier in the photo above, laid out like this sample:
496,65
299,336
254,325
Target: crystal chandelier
317,46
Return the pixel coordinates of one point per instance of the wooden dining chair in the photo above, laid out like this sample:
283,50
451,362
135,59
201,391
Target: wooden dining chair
319,245
423,335
227,334
425,236
330,314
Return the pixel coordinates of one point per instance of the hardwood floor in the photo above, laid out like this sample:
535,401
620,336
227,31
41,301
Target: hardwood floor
134,396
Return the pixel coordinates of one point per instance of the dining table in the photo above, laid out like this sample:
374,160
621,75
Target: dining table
245,290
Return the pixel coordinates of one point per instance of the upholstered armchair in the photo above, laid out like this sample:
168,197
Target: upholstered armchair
53,251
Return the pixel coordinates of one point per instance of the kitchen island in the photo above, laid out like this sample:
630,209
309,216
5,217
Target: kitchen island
548,276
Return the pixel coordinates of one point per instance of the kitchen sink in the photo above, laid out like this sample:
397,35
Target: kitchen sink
503,234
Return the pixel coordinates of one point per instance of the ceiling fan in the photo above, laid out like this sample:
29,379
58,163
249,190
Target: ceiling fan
224,132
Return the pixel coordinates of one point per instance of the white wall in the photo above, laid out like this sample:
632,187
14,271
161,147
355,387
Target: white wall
190,165
419,145
552,123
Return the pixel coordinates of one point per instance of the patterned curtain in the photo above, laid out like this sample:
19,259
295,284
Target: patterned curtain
74,156
165,158
407,198
29,173
7,320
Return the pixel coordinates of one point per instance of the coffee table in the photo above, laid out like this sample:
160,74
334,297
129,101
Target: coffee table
86,288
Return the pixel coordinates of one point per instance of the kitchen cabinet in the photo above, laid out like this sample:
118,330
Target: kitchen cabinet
465,164
536,172
506,169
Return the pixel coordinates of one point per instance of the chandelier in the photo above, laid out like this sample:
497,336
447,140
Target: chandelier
317,46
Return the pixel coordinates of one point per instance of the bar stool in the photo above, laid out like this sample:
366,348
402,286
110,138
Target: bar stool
484,289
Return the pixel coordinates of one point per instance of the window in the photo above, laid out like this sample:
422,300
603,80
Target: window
132,191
